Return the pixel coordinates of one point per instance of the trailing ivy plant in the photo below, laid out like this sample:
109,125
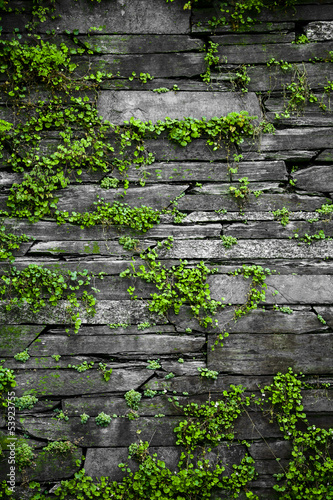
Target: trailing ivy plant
177,286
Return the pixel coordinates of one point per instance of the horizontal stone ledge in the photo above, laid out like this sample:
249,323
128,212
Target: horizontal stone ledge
327,313
104,461
316,178
183,64
16,338
264,78
262,53
270,353
222,188
140,44
82,198
200,24
120,432
299,138
265,202
118,106
325,156
265,229
129,344
291,155
87,247
117,17
319,30
237,216
247,40
259,321
213,172
183,84
73,383
308,119
47,467
249,249
49,232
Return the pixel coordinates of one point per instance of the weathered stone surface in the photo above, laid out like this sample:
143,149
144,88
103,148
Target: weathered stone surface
261,54
317,178
317,400
263,229
244,39
200,18
140,44
265,202
319,30
86,247
326,313
230,216
184,64
260,450
204,171
120,432
307,138
16,338
122,105
325,156
81,198
262,321
47,467
71,382
249,249
150,344
264,78
145,16
270,353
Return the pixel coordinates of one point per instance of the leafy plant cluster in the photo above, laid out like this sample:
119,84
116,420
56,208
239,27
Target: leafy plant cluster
36,286
177,286
7,380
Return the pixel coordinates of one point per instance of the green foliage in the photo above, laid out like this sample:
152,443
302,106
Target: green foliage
153,364
60,415
228,241
60,447
84,418
110,183
141,219
26,402
258,286
7,380
282,214
210,59
102,419
9,242
321,319
24,456
205,372
106,372
36,286
148,393
240,79
309,239
22,356
301,40
84,366
326,209
143,77
283,309
133,399
241,192
177,286
144,325
129,243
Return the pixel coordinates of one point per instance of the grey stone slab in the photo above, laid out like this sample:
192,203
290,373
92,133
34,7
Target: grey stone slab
205,171
264,78
149,344
249,249
299,138
118,106
317,178
120,432
245,39
265,229
143,16
47,467
140,44
73,383
262,53
319,30
265,202
325,156
106,312
200,18
270,353
231,216
317,400
87,331
183,64
305,118
86,248
263,321
164,150
327,313
260,450
16,338
81,198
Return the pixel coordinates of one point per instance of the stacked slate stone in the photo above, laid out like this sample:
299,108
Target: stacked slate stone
290,168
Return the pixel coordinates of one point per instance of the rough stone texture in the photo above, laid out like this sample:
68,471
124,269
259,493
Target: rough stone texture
122,105
320,31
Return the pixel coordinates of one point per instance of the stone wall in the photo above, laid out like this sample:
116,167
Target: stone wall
291,168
